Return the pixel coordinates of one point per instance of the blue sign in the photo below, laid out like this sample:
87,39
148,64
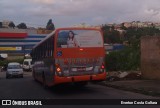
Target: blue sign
59,53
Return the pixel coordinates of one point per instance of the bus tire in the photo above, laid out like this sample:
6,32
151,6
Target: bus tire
44,82
33,75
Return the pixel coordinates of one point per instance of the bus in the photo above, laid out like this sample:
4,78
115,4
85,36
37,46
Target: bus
69,55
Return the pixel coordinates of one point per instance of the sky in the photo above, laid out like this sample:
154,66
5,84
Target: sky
66,13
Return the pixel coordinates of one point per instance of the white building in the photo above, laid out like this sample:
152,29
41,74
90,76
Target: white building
5,23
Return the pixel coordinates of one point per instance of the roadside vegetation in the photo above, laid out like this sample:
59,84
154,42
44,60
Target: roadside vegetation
128,58
19,60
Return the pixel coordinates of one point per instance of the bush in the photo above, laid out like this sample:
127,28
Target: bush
8,61
3,62
123,60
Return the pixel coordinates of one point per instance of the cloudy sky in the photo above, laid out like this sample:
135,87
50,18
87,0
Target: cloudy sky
71,12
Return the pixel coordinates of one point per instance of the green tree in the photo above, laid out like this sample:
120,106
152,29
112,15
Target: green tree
123,60
1,25
11,25
22,26
133,35
50,25
111,36
105,27
129,57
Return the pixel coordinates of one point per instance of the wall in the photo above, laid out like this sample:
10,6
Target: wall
150,57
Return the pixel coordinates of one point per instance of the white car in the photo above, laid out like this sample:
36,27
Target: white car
27,64
14,69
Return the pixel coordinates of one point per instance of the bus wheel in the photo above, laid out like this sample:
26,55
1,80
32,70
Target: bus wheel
44,82
33,74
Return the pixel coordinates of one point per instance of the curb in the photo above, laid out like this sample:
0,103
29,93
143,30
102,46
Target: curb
135,90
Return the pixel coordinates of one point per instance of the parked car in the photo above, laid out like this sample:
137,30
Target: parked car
27,64
14,69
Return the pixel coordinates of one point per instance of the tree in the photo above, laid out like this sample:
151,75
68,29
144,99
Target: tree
11,25
0,24
50,25
111,36
105,27
22,26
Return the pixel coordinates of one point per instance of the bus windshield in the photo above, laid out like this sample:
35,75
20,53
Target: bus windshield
79,38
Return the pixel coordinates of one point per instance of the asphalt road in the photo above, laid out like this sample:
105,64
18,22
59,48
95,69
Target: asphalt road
27,88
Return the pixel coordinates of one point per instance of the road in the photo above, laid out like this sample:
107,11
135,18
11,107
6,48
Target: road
27,88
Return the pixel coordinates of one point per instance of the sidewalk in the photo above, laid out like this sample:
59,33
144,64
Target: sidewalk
147,87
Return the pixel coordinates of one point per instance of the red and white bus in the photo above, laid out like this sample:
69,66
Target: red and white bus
69,55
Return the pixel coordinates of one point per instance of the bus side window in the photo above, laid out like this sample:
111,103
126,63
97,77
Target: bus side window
39,54
41,48
35,54
44,49
47,49
50,48
45,52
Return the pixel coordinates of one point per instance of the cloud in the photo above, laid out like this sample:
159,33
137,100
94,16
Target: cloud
42,1
70,12
153,12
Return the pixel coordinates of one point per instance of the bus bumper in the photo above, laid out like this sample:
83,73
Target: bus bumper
61,80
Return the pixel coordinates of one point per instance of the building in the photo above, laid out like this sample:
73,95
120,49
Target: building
5,23
127,24
19,41
140,24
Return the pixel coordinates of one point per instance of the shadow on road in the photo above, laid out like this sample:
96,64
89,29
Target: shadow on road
69,89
